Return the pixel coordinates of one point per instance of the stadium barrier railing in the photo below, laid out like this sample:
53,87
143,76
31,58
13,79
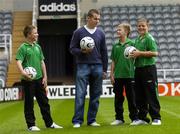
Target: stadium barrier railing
6,43
165,78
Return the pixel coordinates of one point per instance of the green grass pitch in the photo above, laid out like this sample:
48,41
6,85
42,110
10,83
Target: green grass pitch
12,118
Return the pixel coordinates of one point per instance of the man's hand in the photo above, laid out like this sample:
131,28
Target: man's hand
104,75
86,51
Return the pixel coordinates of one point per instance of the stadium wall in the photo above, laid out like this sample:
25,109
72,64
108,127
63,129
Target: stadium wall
68,91
16,5
85,5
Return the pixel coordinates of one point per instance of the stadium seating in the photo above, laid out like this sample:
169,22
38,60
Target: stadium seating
6,21
3,70
164,26
176,75
1,83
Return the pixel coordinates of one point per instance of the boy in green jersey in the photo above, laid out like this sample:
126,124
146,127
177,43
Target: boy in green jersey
146,74
30,54
122,76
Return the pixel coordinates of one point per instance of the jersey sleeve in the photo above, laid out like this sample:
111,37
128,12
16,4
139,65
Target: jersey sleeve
41,53
112,53
20,55
133,43
151,44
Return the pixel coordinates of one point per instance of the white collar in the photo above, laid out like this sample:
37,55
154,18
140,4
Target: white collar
91,31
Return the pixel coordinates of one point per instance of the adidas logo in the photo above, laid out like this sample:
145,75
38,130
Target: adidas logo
54,7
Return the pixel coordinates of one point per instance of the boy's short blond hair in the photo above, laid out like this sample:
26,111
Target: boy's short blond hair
126,26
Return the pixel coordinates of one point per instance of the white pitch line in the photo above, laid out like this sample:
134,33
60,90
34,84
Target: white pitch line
171,113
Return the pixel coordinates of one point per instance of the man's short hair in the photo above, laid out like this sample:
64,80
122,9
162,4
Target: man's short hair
92,11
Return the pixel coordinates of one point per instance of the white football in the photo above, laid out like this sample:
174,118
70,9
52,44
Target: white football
128,50
31,71
87,43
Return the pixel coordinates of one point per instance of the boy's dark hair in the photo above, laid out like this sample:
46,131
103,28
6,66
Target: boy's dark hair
28,29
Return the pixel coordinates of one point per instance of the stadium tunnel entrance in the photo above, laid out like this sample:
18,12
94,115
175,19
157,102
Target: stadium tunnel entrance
54,38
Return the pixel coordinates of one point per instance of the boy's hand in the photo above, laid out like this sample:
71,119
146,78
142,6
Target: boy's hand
27,76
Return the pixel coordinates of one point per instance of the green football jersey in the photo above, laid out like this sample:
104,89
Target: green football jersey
147,43
124,68
31,56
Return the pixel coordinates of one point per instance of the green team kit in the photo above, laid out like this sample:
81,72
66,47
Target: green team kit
124,68
31,55
145,43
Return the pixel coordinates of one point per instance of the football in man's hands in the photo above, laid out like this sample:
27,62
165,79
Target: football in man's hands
87,43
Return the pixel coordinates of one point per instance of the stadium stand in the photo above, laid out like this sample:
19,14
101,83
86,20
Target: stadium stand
20,19
6,22
2,84
3,71
164,26
5,44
